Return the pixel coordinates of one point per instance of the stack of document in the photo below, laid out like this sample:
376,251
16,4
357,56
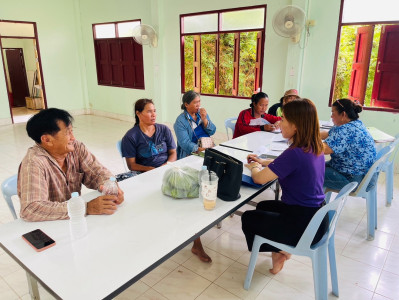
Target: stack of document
380,136
326,124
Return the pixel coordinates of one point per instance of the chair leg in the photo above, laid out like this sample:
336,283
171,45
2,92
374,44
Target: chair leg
219,225
319,261
252,262
375,208
370,206
333,266
389,184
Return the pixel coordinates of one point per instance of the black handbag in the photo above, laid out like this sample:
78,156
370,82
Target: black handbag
229,171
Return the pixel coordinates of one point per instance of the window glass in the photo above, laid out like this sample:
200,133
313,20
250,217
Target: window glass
370,11
226,59
200,23
243,19
125,29
208,61
105,31
189,62
248,41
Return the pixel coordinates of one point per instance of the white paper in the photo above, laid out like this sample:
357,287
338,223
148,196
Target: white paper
258,122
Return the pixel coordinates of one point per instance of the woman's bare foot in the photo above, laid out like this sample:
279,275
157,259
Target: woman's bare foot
200,252
278,259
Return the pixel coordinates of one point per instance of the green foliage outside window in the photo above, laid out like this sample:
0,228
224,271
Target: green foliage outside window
345,60
248,43
247,63
208,59
188,62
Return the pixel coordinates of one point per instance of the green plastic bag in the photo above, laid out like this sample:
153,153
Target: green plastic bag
181,182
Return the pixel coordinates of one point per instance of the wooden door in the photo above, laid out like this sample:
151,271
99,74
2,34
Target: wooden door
18,79
386,80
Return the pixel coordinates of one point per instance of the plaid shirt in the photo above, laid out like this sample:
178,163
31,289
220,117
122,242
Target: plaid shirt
43,187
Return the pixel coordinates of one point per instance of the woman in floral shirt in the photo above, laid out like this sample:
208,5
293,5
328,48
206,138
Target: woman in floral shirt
350,145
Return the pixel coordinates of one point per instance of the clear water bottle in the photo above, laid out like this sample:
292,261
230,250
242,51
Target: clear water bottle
76,212
110,187
204,171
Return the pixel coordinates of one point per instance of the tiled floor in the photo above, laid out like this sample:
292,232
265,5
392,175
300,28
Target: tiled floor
22,114
367,270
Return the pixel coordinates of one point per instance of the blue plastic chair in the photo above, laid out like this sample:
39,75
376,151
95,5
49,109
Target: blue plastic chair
369,195
9,189
317,252
388,169
119,147
230,123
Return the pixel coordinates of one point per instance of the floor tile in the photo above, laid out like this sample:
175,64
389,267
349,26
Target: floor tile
8,265
159,272
214,292
209,271
363,252
275,290
388,285
182,284
151,295
18,282
6,293
133,292
233,279
230,245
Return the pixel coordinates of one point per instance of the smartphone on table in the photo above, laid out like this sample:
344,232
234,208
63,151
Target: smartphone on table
38,240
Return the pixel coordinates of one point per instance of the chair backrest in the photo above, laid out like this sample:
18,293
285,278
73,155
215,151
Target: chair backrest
230,123
382,156
395,147
119,147
9,189
335,207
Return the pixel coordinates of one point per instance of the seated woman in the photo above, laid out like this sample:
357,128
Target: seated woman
289,95
300,172
246,120
147,145
350,145
192,124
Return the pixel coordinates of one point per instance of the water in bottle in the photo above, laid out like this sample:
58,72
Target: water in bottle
110,187
76,212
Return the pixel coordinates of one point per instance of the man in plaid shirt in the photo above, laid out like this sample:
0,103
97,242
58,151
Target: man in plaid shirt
56,167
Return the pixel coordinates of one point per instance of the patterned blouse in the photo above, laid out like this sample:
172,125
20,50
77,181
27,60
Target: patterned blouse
353,146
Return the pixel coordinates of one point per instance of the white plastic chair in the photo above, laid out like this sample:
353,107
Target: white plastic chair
9,189
369,195
317,252
230,123
388,169
119,147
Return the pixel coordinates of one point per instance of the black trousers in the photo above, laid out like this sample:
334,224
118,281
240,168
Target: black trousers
279,222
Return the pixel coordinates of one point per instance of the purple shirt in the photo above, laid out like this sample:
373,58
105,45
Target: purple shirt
301,176
148,151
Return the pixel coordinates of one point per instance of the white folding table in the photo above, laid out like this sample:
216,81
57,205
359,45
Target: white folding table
119,249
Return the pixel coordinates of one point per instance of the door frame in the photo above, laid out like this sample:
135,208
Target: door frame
36,38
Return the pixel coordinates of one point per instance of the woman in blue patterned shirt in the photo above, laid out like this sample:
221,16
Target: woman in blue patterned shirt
350,145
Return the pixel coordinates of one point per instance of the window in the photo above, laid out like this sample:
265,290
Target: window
367,64
222,51
119,59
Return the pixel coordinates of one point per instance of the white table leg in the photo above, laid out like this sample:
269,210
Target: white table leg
33,288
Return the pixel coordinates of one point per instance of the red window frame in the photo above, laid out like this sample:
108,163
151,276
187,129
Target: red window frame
197,72
119,60
340,24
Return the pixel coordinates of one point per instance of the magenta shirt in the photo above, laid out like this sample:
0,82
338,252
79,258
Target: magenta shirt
301,177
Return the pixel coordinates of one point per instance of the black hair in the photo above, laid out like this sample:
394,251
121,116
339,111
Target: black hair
351,108
45,122
139,107
188,97
256,97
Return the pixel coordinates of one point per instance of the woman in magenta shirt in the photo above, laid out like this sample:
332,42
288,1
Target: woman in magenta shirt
300,172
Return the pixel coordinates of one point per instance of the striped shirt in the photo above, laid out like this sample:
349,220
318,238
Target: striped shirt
43,187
